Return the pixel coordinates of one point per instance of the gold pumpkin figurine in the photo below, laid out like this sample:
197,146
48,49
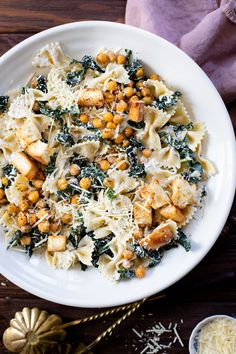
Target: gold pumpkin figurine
32,332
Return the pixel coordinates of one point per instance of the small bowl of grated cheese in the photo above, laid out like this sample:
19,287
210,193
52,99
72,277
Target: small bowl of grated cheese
214,335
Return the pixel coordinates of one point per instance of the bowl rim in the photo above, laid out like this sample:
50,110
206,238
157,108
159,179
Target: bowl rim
202,323
92,24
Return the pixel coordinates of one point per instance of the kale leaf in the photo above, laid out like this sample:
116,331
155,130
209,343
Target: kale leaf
136,125
37,238
57,114
3,103
15,240
166,101
183,240
181,127
93,172
154,256
95,137
79,160
132,68
194,174
89,63
65,138
101,247
42,83
76,234
180,145
10,172
75,77
50,168
128,53
65,194
136,169
126,273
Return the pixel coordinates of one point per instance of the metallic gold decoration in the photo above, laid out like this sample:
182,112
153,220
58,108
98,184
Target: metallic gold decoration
31,332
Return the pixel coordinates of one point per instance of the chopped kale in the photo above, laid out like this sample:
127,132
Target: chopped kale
87,126
93,172
180,145
15,240
135,144
83,266
101,247
95,137
203,193
75,77
128,53
126,273
155,257
42,83
132,68
76,234
50,168
55,114
65,194
138,250
137,170
136,125
10,172
79,160
183,240
3,103
166,101
24,90
65,138
111,194
194,174
89,63
179,127
37,238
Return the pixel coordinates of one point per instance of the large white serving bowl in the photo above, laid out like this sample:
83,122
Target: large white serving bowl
89,289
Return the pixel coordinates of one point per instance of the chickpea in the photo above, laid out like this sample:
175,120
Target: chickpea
138,234
97,123
23,205
154,77
108,133
125,143
4,181
112,57
74,170
33,197
2,193
41,175
130,84
121,106
12,209
121,59
140,272
147,100
85,183
138,94
32,219
84,118
75,199
22,187
26,228
108,182
111,159
44,226
129,91
108,117
119,139
146,153
134,98
128,132
128,255
145,91
109,97
62,184
120,95
38,183
21,219
122,165
36,106
102,58
25,240
112,85
41,204
66,218
111,125
139,84
42,212
139,72
54,227
104,164
118,119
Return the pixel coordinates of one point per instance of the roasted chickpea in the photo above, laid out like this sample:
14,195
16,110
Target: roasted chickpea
125,143
122,165
121,59
139,72
2,193
109,97
42,212
111,125
44,226
129,91
75,199
119,139
66,218
25,240
118,119
128,132
112,85
41,204
146,153
84,118
130,84
41,175
97,123
36,106
112,57
26,228
33,196
21,219
12,209
139,84
104,164
74,170
4,181
32,219
23,205
62,184
85,183
108,133
102,58
108,182
38,183
147,100
54,227
145,91
154,77
121,106
120,95
140,272
134,98
108,117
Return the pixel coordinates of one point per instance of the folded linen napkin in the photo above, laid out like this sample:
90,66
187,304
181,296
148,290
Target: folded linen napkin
204,29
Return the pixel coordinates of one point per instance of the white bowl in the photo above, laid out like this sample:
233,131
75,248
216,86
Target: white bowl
89,289
194,335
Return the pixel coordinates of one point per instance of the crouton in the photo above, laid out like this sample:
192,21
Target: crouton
24,165
154,194
143,213
28,134
56,243
183,193
90,97
160,236
136,111
39,151
172,212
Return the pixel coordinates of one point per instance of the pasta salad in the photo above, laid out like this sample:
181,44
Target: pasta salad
101,164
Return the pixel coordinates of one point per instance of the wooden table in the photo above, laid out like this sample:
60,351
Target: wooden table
21,19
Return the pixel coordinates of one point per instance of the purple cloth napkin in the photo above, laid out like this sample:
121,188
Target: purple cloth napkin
204,29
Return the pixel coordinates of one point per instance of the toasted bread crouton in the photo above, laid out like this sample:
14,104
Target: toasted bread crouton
24,165
143,213
160,236
28,134
56,243
154,194
90,97
172,212
183,193
136,111
39,151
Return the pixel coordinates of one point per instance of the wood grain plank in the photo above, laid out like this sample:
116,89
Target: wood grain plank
34,16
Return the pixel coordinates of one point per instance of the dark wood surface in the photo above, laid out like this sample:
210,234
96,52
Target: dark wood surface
195,296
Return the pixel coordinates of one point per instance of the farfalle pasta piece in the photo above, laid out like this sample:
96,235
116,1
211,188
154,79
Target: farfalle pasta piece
167,157
50,55
180,115
207,165
87,149
21,106
85,250
122,182
157,88
189,213
195,135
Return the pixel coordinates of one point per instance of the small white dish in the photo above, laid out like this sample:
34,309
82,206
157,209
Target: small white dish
89,289
193,340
